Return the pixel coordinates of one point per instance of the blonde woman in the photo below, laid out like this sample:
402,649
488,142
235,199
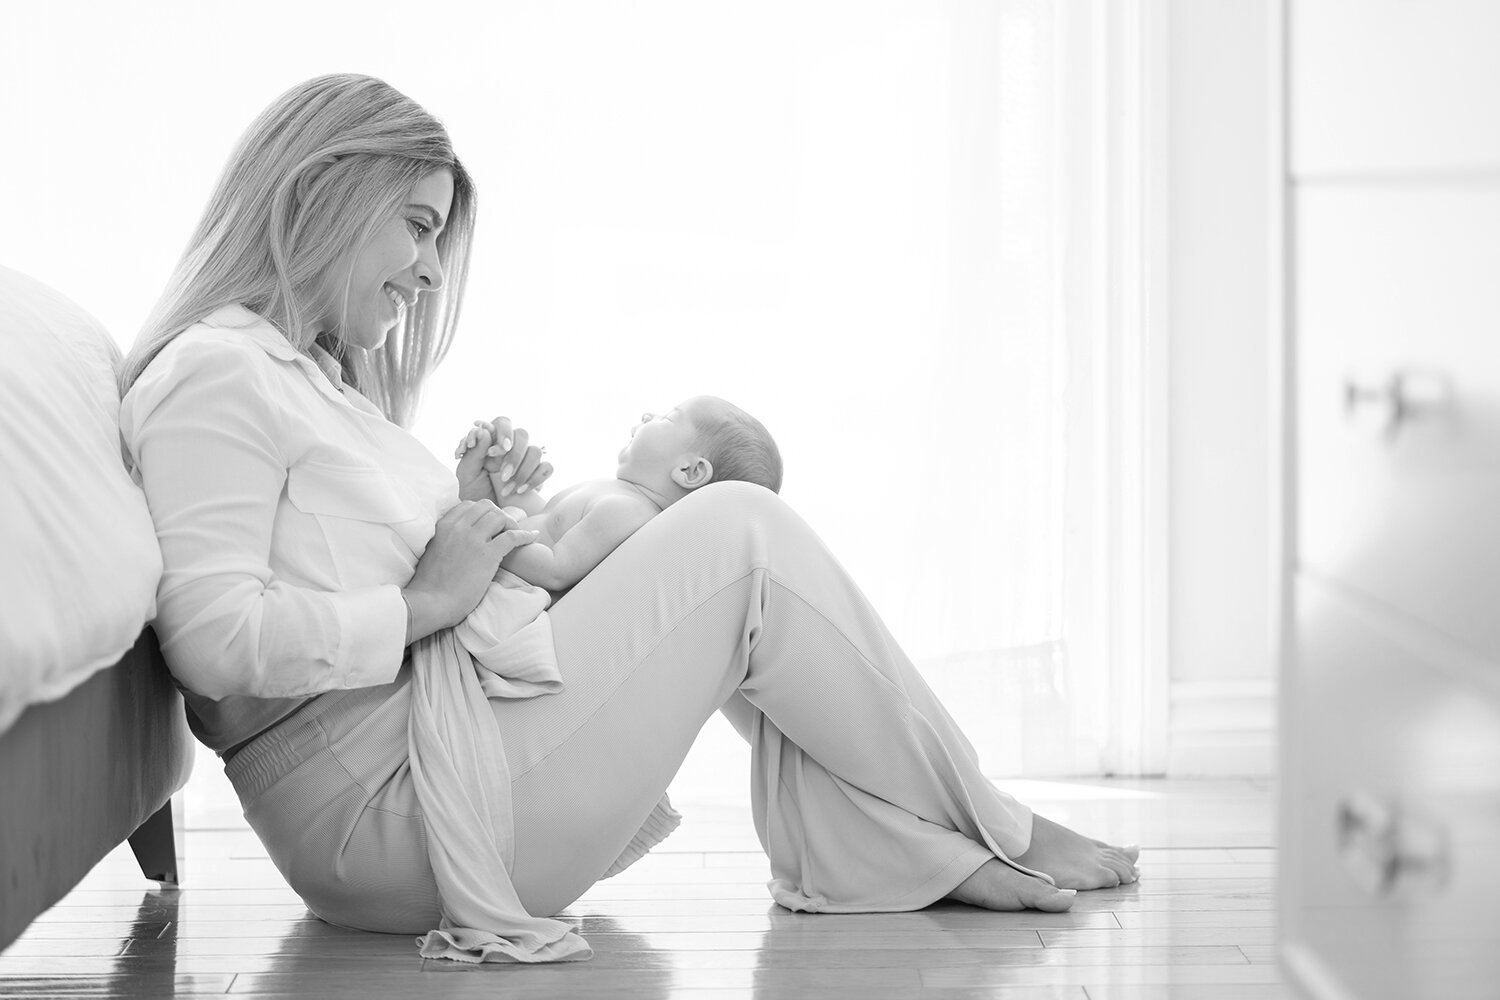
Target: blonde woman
309,540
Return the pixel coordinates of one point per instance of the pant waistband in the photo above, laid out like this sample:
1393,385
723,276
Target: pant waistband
265,759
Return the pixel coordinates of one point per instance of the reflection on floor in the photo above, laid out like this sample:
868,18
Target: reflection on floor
694,920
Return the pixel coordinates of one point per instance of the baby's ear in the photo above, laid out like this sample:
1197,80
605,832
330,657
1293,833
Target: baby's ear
695,472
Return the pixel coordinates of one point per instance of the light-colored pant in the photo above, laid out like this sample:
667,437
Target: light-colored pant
865,794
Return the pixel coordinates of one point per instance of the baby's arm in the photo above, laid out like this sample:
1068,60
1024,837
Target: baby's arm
608,522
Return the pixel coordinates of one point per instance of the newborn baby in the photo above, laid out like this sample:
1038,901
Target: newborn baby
703,440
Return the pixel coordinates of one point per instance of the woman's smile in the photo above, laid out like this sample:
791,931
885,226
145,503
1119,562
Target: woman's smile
398,300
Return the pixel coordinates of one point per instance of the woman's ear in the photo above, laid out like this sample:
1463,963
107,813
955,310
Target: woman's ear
309,177
695,472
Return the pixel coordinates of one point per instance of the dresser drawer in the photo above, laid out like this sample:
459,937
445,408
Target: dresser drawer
1401,501
1397,85
1391,824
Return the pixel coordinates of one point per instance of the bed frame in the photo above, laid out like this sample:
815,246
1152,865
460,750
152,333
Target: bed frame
81,774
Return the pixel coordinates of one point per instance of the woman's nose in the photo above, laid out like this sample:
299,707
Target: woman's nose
429,269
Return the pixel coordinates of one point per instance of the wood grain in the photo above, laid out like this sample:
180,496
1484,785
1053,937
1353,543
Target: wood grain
693,920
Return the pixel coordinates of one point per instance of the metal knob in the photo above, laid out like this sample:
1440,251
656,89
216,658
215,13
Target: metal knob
1399,398
1388,852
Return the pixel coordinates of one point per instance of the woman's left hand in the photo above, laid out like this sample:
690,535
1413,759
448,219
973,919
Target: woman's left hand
515,464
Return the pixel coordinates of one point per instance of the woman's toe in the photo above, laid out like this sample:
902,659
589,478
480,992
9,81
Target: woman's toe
1124,869
1055,901
1131,852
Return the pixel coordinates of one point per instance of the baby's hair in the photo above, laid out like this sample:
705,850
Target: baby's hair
740,448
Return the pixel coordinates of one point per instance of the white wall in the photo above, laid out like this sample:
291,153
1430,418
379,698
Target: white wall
1221,650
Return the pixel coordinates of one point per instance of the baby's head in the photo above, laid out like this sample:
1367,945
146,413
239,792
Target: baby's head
700,441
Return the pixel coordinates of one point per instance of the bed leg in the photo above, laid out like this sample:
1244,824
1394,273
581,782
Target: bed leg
155,846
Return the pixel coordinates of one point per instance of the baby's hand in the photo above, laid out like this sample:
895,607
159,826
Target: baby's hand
473,478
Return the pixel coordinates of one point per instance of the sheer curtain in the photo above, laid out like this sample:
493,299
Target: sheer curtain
847,218
857,220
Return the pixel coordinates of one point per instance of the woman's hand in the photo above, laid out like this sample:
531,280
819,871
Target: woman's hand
459,563
514,464
496,460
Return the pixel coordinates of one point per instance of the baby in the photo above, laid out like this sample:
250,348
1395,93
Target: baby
703,440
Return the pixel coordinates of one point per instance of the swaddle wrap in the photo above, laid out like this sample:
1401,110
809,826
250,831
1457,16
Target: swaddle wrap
462,779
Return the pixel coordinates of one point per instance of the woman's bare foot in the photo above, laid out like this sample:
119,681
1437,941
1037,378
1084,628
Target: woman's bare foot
1076,862
998,886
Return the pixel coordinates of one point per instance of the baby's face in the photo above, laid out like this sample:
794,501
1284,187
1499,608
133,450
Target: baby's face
660,442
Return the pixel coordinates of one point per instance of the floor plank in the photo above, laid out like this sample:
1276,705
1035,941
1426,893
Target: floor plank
694,920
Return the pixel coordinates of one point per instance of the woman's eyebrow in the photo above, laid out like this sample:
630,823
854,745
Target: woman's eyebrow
437,217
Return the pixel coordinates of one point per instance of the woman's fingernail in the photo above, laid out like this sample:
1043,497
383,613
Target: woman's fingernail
506,442
495,452
523,488
505,490
506,471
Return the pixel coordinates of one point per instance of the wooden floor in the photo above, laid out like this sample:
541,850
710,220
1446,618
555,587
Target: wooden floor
694,920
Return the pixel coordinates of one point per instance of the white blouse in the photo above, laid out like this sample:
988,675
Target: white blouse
289,514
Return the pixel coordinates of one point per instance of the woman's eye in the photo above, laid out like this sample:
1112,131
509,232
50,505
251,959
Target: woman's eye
419,228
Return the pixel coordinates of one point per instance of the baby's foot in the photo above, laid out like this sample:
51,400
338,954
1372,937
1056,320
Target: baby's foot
1075,861
998,886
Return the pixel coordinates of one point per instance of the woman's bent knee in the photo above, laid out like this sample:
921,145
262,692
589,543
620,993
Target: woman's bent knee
734,510
732,495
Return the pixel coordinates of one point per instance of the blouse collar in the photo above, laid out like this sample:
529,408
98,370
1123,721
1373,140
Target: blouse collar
320,366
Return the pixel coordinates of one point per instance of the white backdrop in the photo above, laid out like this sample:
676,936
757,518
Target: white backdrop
841,215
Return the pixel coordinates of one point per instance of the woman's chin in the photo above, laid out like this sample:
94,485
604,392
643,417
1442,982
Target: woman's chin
373,339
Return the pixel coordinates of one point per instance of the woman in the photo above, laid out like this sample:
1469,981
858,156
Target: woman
308,541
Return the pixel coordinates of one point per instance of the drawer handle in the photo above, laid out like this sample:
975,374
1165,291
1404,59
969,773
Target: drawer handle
1389,853
1400,397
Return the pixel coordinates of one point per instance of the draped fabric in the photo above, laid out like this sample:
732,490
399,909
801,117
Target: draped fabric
459,769
463,782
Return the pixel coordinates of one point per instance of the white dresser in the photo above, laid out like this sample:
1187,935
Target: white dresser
1390,700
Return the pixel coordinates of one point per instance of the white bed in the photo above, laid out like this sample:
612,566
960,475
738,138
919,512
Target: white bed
93,737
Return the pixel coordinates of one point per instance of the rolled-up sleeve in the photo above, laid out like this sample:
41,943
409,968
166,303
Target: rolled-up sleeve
208,437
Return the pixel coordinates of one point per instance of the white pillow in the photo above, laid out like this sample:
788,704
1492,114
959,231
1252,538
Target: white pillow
79,561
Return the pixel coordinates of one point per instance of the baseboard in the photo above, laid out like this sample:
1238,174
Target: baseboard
1221,729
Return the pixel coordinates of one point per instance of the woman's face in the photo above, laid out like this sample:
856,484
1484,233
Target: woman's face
399,263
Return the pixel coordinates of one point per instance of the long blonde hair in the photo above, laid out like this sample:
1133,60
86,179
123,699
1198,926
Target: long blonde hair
311,180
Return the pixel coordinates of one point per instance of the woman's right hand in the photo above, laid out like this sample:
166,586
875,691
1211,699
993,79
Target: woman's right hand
459,564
